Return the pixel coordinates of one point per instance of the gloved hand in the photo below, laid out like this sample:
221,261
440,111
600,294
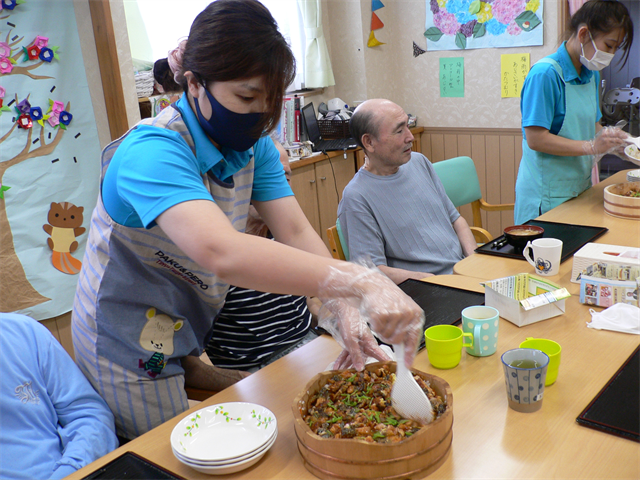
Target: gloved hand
607,140
350,330
393,315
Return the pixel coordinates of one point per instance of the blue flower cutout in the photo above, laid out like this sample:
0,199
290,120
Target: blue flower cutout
9,4
494,27
65,117
46,54
36,113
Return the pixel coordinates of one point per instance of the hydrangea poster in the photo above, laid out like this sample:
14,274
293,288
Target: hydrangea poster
462,24
49,157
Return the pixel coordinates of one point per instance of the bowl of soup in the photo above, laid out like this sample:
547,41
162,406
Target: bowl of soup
519,235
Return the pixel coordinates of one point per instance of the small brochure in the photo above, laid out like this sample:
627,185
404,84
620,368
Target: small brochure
524,299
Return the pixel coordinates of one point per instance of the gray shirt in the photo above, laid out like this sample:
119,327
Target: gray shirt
402,220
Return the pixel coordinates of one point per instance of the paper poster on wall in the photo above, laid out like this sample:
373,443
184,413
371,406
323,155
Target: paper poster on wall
463,24
513,70
452,77
49,157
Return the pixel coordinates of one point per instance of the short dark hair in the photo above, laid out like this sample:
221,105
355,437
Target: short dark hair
603,16
362,122
164,76
239,39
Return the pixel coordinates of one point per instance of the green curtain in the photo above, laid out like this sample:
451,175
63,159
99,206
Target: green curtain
317,72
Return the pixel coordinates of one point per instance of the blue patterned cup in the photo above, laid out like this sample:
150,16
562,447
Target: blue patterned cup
525,372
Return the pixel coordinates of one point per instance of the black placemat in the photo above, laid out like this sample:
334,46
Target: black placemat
130,466
573,238
442,305
616,408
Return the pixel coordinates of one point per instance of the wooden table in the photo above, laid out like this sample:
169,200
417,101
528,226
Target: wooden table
490,440
586,209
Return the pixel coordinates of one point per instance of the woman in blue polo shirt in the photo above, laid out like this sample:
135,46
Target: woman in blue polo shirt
166,237
560,110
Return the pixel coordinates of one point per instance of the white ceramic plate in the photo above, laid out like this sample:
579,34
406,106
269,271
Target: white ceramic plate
225,469
632,152
633,176
212,463
223,431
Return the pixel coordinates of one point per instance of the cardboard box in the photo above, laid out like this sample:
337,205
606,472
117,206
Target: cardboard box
524,299
604,292
599,260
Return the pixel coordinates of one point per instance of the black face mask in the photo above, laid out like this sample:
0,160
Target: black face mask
227,128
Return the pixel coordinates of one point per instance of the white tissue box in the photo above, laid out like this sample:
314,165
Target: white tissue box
524,299
614,262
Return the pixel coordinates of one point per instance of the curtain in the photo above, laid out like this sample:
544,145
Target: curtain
574,5
317,69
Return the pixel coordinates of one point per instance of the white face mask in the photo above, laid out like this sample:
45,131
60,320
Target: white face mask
620,317
599,60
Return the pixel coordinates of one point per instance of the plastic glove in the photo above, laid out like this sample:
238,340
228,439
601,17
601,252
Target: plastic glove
607,140
350,330
393,315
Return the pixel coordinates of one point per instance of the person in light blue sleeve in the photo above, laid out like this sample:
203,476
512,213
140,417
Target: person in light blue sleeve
52,422
560,110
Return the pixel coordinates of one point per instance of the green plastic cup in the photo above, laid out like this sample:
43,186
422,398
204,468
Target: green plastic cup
444,345
553,351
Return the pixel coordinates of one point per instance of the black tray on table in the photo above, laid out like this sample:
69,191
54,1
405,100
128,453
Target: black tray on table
616,408
131,466
442,305
573,238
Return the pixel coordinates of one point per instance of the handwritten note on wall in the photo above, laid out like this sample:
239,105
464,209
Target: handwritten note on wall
514,69
452,77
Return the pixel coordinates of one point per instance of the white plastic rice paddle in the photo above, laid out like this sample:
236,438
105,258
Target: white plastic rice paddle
633,140
407,398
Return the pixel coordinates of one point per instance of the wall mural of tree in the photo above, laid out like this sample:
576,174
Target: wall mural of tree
49,157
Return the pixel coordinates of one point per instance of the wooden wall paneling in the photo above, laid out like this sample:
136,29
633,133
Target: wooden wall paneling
450,146
64,330
507,175
426,145
437,147
479,156
109,67
492,143
464,145
52,326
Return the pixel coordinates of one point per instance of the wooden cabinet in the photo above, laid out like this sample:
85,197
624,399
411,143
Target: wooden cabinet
318,188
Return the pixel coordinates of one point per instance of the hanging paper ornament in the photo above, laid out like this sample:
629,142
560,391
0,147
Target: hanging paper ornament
376,23
41,42
373,41
46,55
9,4
24,121
5,50
417,50
376,5
36,113
5,65
65,118
33,52
24,106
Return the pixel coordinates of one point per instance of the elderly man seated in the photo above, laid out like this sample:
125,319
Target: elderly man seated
395,211
52,421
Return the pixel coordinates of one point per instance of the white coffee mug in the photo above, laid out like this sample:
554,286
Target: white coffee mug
546,255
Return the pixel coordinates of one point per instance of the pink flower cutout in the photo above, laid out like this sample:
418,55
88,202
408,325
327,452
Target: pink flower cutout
57,107
5,50
2,92
5,65
505,11
53,120
446,22
514,29
41,42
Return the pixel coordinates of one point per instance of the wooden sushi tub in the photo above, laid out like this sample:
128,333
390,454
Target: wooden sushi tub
617,202
414,457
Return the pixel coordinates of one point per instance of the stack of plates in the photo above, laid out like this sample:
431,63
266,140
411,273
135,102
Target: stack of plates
633,176
224,438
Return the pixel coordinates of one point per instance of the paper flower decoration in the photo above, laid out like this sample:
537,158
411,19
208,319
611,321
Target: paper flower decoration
24,121
36,113
24,106
2,92
9,4
53,120
65,118
33,52
5,50
41,42
46,54
56,107
5,65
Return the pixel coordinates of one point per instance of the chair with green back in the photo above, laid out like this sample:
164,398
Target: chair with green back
339,247
460,180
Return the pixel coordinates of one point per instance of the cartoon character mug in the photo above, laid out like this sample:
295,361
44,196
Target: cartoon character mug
547,253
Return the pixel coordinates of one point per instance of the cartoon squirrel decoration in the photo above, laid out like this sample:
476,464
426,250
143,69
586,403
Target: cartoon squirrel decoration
65,220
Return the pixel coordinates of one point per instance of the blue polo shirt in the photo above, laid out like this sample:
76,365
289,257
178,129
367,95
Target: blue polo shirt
154,169
542,101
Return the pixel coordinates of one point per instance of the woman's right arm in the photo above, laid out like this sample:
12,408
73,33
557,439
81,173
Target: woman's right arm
542,140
